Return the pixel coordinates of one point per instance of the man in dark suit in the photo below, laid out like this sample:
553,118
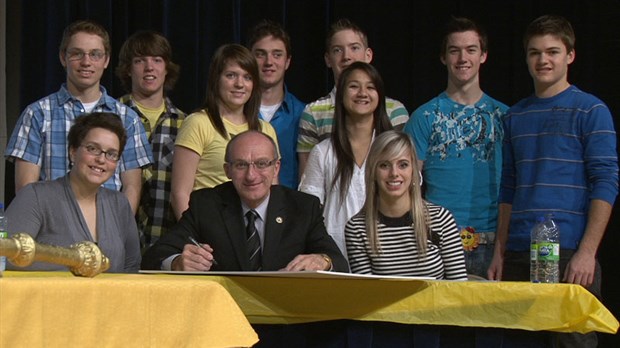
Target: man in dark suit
289,224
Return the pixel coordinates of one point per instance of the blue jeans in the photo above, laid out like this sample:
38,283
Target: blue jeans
478,260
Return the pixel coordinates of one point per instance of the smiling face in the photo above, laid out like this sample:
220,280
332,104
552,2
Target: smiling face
252,184
235,86
394,178
360,97
84,74
272,59
93,170
547,62
148,75
463,57
345,48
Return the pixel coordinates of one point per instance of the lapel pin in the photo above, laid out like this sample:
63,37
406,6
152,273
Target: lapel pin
279,220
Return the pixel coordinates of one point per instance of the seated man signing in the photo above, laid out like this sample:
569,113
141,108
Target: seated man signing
248,224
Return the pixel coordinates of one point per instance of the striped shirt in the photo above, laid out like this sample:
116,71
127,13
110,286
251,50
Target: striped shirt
317,120
400,255
559,155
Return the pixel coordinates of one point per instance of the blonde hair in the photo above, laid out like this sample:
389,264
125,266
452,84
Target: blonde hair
389,145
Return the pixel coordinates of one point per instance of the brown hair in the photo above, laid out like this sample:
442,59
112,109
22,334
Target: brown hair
85,26
551,25
146,43
460,25
232,53
344,24
269,28
86,123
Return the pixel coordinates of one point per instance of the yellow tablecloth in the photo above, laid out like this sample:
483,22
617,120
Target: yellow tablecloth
56,309
513,305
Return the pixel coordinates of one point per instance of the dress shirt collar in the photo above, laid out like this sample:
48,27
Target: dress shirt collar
261,209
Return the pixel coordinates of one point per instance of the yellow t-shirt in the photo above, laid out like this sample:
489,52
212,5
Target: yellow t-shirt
198,134
152,115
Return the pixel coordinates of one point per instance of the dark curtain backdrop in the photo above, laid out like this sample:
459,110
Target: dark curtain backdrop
404,35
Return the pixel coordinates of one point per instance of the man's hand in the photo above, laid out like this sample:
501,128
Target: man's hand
194,258
580,269
495,268
309,262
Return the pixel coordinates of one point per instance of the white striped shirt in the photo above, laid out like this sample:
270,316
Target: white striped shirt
399,251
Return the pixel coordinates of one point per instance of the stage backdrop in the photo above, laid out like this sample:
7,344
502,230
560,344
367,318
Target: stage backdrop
404,34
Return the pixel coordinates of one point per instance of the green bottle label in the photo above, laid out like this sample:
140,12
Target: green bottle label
533,252
548,251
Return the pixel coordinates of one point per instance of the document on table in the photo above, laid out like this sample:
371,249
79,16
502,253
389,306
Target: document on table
283,274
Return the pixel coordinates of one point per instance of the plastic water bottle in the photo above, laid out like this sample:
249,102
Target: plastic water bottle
548,251
534,236
3,234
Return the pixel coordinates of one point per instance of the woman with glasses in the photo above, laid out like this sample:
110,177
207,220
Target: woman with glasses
231,107
397,232
76,207
335,169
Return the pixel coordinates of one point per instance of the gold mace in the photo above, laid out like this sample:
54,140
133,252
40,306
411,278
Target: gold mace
84,259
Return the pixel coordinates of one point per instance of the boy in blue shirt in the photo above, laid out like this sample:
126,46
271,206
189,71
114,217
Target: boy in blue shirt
458,137
271,46
559,158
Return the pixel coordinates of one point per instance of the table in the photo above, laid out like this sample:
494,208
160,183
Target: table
159,310
56,309
379,313
267,299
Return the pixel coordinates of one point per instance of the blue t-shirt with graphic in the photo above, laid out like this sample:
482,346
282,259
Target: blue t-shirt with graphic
461,146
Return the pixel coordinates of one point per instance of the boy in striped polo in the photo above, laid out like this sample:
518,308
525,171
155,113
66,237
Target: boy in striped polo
346,43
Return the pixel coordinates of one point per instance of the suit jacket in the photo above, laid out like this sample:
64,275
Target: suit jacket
294,225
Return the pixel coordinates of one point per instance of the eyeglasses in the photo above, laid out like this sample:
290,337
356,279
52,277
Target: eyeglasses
110,155
94,55
261,164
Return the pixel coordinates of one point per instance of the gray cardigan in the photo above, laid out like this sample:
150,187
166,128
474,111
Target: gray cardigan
49,212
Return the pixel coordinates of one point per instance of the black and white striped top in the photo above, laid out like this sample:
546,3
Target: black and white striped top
399,251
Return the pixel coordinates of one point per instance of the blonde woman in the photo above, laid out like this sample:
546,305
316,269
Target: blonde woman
397,232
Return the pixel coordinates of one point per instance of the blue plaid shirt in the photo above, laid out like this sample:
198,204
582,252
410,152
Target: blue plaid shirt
40,135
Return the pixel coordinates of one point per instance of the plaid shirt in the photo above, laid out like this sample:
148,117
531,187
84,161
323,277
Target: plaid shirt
155,216
40,135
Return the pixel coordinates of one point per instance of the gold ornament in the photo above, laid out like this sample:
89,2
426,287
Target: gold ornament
83,259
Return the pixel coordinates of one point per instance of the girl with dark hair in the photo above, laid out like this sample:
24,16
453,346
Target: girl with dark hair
335,168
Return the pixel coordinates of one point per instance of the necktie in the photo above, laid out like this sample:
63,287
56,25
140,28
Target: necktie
254,252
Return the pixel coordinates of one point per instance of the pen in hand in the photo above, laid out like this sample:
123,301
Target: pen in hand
195,242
